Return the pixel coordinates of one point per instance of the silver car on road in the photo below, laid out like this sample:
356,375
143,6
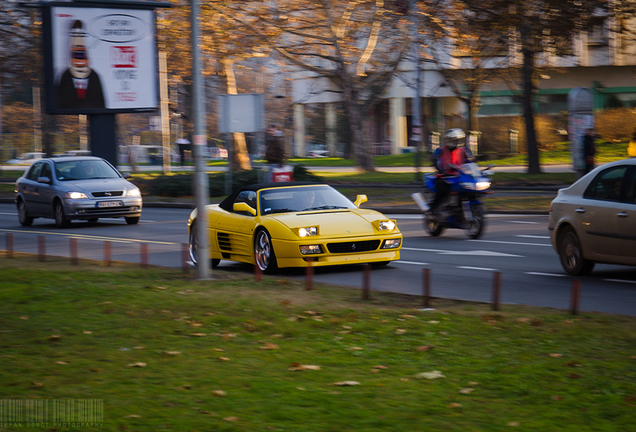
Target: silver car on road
594,220
75,187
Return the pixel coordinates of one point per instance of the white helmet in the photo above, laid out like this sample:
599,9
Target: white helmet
453,137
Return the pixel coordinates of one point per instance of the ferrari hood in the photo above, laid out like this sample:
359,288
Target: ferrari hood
334,223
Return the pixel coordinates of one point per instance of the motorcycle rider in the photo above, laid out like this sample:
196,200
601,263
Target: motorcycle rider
448,158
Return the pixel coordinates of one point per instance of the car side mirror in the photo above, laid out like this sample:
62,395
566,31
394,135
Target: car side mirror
242,207
44,180
126,175
360,199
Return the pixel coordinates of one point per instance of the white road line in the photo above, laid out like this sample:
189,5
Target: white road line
9,214
545,274
410,262
524,222
476,268
510,243
89,237
469,253
620,280
533,236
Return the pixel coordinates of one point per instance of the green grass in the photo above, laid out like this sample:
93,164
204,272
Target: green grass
72,332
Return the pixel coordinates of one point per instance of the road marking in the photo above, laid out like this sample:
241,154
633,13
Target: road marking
410,262
468,253
620,280
524,222
533,236
545,274
476,268
89,237
511,243
9,214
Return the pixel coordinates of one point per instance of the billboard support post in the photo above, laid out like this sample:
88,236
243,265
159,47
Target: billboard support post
103,137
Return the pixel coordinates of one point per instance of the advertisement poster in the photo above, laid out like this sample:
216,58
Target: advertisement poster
102,59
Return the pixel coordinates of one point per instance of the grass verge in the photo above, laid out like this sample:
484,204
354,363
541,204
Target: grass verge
167,352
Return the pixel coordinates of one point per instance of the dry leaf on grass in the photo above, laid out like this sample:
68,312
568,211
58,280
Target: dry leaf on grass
346,383
269,346
556,397
466,390
424,347
408,316
55,337
224,358
138,364
172,353
61,362
138,347
87,332
454,405
198,334
132,416
429,375
219,393
400,331
356,348
24,317
555,355
37,384
231,419
295,367
513,424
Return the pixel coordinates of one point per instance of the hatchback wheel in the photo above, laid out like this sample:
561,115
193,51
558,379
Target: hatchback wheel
133,220
571,254
58,213
23,215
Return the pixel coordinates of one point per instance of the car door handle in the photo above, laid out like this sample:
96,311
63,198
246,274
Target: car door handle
622,214
580,210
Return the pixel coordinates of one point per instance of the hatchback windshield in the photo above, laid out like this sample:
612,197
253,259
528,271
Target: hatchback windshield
84,170
303,199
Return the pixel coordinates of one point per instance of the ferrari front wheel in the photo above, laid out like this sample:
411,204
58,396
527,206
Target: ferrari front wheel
193,247
264,255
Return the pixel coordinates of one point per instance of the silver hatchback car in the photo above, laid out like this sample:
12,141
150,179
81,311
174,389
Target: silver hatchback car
594,220
75,187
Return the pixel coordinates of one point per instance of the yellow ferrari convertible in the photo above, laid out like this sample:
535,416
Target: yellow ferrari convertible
295,224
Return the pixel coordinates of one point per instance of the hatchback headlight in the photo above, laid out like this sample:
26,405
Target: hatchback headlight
134,192
308,232
386,225
75,195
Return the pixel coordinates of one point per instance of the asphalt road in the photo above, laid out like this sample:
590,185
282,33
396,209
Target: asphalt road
516,246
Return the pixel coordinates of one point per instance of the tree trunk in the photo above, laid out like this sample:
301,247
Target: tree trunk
363,156
240,158
534,166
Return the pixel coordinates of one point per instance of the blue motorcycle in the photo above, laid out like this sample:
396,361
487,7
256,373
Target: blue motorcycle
462,207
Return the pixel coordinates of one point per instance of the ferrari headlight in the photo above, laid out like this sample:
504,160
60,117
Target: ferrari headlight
386,225
308,232
310,249
483,185
391,243
134,192
75,195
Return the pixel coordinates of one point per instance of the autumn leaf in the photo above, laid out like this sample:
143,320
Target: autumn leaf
429,375
269,346
524,320
224,358
556,398
454,405
424,347
61,362
55,337
231,419
172,353
355,348
400,331
433,322
37,384
138,347
295,367
466,390
513,424
132,416
138,364
219,393
218,349
24,317
346,383
555,355
198,334
87,332
407,316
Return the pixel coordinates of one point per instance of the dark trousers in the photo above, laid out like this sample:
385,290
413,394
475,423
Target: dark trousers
442,188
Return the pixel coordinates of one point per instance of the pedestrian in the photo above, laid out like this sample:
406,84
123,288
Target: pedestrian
589,149
631,150
274,146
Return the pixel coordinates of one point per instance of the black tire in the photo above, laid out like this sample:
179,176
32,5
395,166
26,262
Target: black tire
23,215
265,258
380,264
475,228
193,247
571,254
92,220
58,214
432,225
132,220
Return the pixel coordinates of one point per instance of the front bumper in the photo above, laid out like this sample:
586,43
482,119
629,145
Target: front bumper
89,208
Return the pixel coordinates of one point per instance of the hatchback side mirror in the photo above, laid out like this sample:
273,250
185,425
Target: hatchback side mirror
44,180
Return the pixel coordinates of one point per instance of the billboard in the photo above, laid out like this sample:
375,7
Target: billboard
99,59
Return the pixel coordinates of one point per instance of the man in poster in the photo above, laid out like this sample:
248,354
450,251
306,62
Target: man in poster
79,86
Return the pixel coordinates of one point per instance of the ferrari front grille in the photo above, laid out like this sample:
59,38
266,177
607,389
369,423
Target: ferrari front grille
353,247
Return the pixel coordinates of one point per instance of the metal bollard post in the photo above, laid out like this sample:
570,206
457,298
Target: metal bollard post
73,244
309,275
496,288
184,258
144,255
426,277
574,301
366,281
9,245
41,248
107,254
258,273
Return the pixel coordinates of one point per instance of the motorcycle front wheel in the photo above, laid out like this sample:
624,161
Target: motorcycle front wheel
475,227
432,224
